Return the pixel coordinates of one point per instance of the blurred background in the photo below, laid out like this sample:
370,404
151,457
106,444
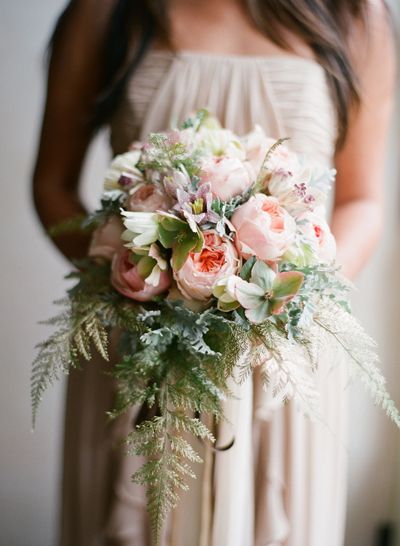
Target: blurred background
32,276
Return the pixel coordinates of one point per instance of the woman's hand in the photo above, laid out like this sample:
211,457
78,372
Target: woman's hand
357,217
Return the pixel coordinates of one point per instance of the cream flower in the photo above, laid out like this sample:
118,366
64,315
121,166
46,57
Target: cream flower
123,171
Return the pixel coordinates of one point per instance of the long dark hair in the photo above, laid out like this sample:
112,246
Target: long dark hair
324,25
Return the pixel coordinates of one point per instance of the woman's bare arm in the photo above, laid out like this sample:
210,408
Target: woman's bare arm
73,83
357,217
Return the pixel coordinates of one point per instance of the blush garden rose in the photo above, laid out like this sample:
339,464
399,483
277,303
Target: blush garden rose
264,229
201,270
126,278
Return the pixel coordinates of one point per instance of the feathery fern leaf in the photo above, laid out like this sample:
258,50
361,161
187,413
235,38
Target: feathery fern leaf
360,349
54,358
286,369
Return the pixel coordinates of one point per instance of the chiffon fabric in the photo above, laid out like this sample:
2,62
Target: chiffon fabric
283,483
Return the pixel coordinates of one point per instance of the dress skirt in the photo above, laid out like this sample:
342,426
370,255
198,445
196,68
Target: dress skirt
282,483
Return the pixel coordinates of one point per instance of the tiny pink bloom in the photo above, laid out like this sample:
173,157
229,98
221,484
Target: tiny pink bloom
106,239
147,198
126,279
317,234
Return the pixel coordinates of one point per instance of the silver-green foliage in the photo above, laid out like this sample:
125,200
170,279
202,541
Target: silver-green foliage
174,364
173,361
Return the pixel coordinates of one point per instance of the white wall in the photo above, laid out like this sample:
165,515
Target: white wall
374,443
32,277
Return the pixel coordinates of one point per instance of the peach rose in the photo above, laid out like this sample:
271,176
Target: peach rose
227,176
106,239
197,276
147,198
263,228
126,279
317,234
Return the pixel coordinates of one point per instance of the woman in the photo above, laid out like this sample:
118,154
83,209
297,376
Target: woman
317,71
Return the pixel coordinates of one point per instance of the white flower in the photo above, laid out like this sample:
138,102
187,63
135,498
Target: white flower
214,142
124,165
141,228
298,185
161,265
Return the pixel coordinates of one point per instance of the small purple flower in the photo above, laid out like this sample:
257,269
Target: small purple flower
195,205
126,181
301,190
283,172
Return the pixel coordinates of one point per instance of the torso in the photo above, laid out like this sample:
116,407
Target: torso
227,65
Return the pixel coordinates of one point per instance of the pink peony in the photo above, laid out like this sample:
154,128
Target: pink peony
147,198
263,228
106,239
227,176
126,279
317,234
197,276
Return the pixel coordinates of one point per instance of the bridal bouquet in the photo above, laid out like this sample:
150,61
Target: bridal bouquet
211,256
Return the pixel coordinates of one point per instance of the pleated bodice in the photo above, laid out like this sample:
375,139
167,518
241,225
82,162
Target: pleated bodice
287,95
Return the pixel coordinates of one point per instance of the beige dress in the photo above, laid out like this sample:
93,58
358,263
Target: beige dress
283,483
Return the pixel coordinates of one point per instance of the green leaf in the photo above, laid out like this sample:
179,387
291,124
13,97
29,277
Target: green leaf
177,234
247,267
166,237
263,276
228,306
249,295
287,284
145,266
185,243
259,314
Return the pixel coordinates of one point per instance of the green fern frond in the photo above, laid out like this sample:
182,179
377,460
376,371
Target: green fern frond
259,184
361,353
184,423
54,358
286,370
170,455
97,333
182,448
78,326
82,342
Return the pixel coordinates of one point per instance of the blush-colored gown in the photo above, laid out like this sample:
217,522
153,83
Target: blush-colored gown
283,483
